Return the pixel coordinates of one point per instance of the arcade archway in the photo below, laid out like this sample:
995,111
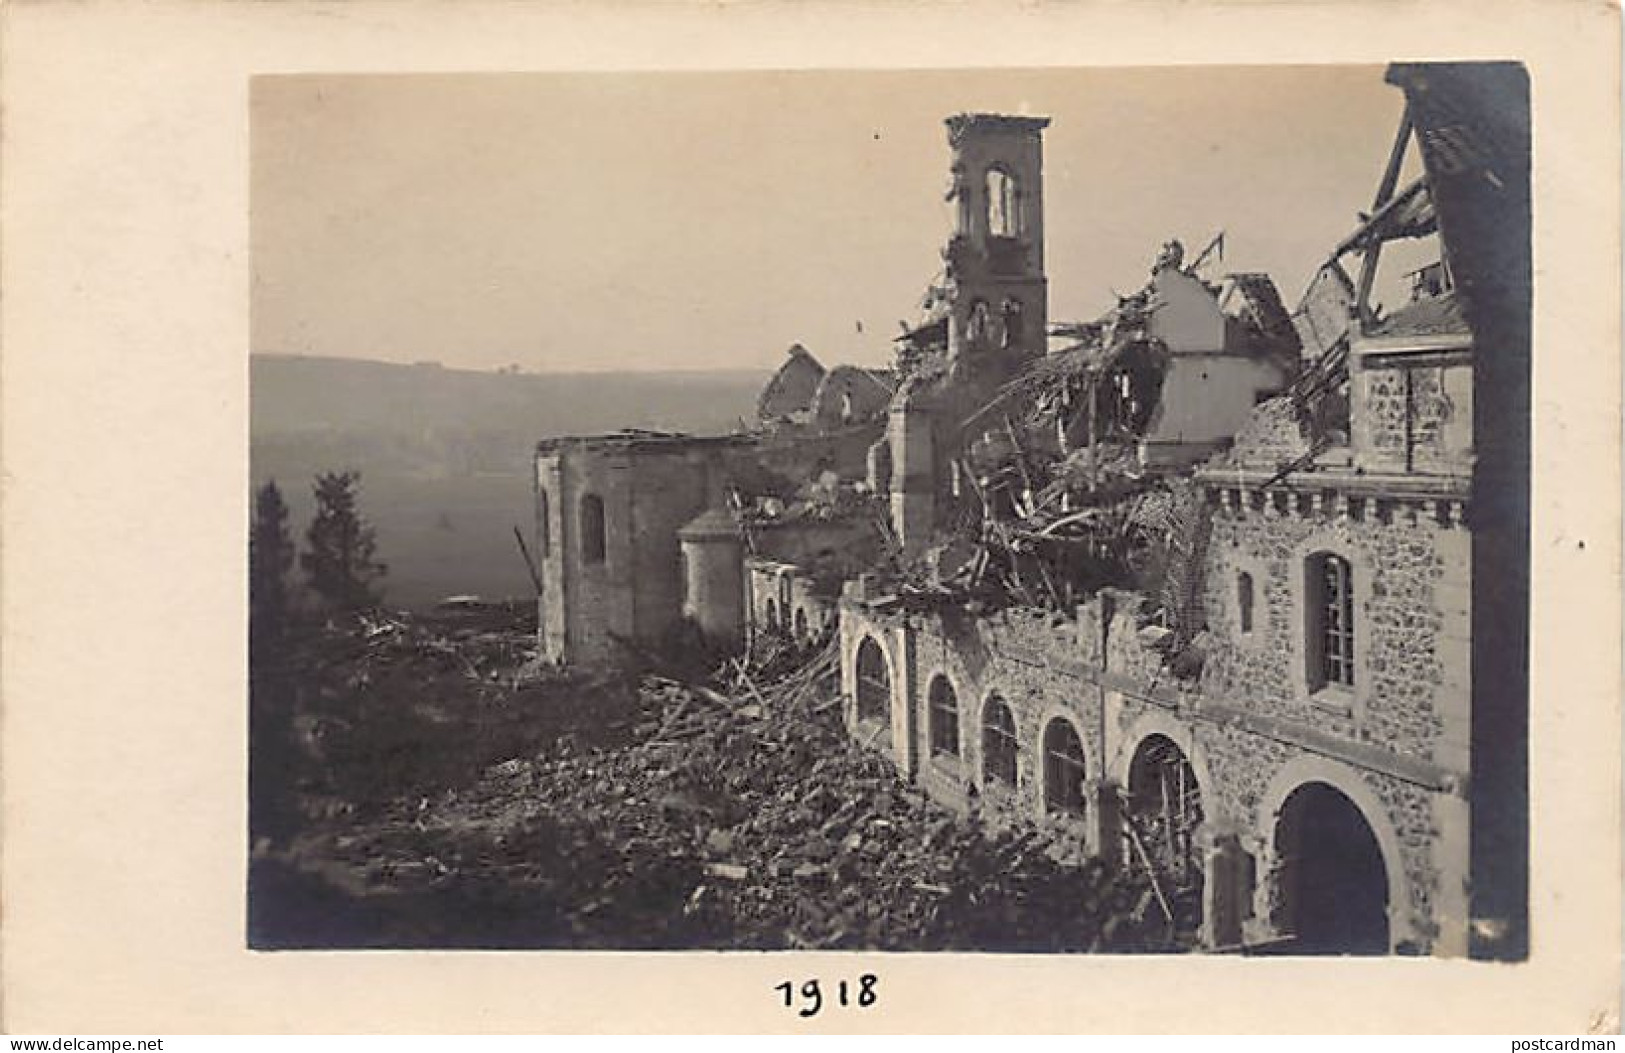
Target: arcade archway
1333,883
874,689
1162,810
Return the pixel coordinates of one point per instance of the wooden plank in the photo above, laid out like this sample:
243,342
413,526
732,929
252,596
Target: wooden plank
1150,870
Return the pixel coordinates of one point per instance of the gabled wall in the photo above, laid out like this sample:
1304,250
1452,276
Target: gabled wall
1187,315
1205,400
1212,382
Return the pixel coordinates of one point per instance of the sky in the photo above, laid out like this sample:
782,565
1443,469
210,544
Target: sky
568,222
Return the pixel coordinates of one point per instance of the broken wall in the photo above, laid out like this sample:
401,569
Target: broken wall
781,598
799,454
1186,317
633,590
851,394
1205,399
1415,411
788,395
1041,665
806,539
1249,750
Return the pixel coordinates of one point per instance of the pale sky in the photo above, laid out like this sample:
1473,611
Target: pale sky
571,222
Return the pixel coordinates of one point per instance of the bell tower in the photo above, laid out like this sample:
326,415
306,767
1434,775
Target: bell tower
997,293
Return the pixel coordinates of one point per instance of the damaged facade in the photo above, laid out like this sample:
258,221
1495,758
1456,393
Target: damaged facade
1194,585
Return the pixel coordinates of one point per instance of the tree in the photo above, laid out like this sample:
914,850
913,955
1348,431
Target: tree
339,560
271,808
270,558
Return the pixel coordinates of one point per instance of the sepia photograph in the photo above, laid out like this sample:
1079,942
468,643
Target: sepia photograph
747,518
1070,510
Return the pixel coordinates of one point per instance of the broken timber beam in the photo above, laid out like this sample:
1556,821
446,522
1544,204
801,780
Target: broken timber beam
1150,870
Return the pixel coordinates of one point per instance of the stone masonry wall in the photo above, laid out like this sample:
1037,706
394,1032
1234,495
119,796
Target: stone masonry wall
1093,669
1400,665
1035,662
1029,660
1409,808
1415,417
770,581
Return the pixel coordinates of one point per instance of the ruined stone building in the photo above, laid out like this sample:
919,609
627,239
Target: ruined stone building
1201,586
608,511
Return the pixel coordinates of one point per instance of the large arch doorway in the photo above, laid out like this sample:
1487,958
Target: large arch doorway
1162,812
1333,882
873,694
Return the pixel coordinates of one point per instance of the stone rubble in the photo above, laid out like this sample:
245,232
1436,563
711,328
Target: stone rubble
720,821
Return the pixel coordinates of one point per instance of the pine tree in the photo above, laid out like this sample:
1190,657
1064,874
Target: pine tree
340,546
271,808
270,558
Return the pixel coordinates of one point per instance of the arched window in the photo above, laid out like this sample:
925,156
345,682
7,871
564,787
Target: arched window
1063,768
1164,803
544,529
998,743
1003,220
944,718
772,615
978,323
593,542
874,682
1244,601
801,625
1330,582
1010,317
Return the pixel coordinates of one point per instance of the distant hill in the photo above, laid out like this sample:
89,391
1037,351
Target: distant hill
294,393
445,453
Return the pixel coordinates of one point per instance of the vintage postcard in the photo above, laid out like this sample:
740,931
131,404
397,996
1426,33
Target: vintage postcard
1066,501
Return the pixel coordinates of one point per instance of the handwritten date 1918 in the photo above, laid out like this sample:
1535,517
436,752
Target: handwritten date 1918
861,994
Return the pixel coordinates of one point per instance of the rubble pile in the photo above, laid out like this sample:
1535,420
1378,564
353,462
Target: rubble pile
743,817
1063,542
390,703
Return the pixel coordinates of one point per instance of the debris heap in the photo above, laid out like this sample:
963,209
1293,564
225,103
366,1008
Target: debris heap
738,815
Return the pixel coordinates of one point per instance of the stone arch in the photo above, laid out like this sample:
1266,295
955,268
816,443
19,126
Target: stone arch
1012,323
942,697
1165,816
1003,200
873,682
1053,732
1084,720
978,323
1309,768
1000,742
1156,722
